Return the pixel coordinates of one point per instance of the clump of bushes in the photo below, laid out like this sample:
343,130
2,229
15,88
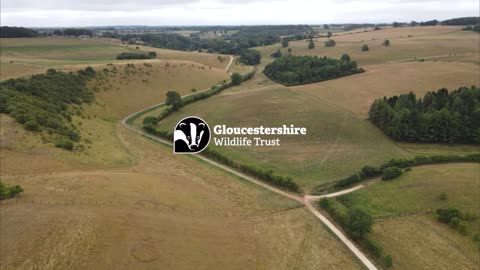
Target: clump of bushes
276,54
250,57
454,218
136,55
368,172
7,192
391,173
330,43
64,144
43,101
357,224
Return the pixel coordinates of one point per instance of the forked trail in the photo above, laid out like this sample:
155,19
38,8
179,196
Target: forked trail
305,200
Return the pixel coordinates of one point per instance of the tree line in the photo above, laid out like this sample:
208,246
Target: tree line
294,70
357,223
73,32
16,32
390,170
442,116
42,102
136,55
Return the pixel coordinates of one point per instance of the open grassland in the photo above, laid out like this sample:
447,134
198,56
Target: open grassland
357,92
440,43
337,143
166,211
26,56
404,220
125,89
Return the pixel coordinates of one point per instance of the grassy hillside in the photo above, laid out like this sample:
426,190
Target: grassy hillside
26,56
337,143
407,44
404,219
125,89
167,211
357,92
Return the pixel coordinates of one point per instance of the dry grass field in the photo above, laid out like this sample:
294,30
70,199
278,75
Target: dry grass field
357,92
166,211
404,219
26,56
429,43
127,89
125,202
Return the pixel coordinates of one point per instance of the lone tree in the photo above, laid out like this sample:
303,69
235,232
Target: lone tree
329,34
365,48
386,42
174,100
345,57
276,54
284,42
236,78
311,44
330,43
358,223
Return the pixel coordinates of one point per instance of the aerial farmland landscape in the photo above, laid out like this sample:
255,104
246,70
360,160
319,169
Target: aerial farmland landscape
224,135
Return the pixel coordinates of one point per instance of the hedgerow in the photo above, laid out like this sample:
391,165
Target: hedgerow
368,172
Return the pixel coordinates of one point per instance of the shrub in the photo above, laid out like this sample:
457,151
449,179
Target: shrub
150,120
443,196
250,57
345,57
9,191
276,54
330,43
64,144
32,125
391,173
445,215
358,223
386,42
373,247
365,48
236,78
311,44
387,261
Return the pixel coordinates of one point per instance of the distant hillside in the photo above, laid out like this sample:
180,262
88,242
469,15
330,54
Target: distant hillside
15,32
462,21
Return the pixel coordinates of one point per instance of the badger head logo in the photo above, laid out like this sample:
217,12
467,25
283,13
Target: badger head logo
191,135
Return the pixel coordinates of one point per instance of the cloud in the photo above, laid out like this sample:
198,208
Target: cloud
230,12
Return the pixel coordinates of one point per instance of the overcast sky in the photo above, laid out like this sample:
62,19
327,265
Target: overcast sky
36,13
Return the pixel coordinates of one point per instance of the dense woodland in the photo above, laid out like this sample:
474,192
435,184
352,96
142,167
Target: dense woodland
441,116
246,37
293,70
14,32
42,102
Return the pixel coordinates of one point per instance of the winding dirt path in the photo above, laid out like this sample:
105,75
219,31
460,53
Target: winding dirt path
306,200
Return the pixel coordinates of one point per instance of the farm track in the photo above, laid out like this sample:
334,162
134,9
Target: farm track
305,200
